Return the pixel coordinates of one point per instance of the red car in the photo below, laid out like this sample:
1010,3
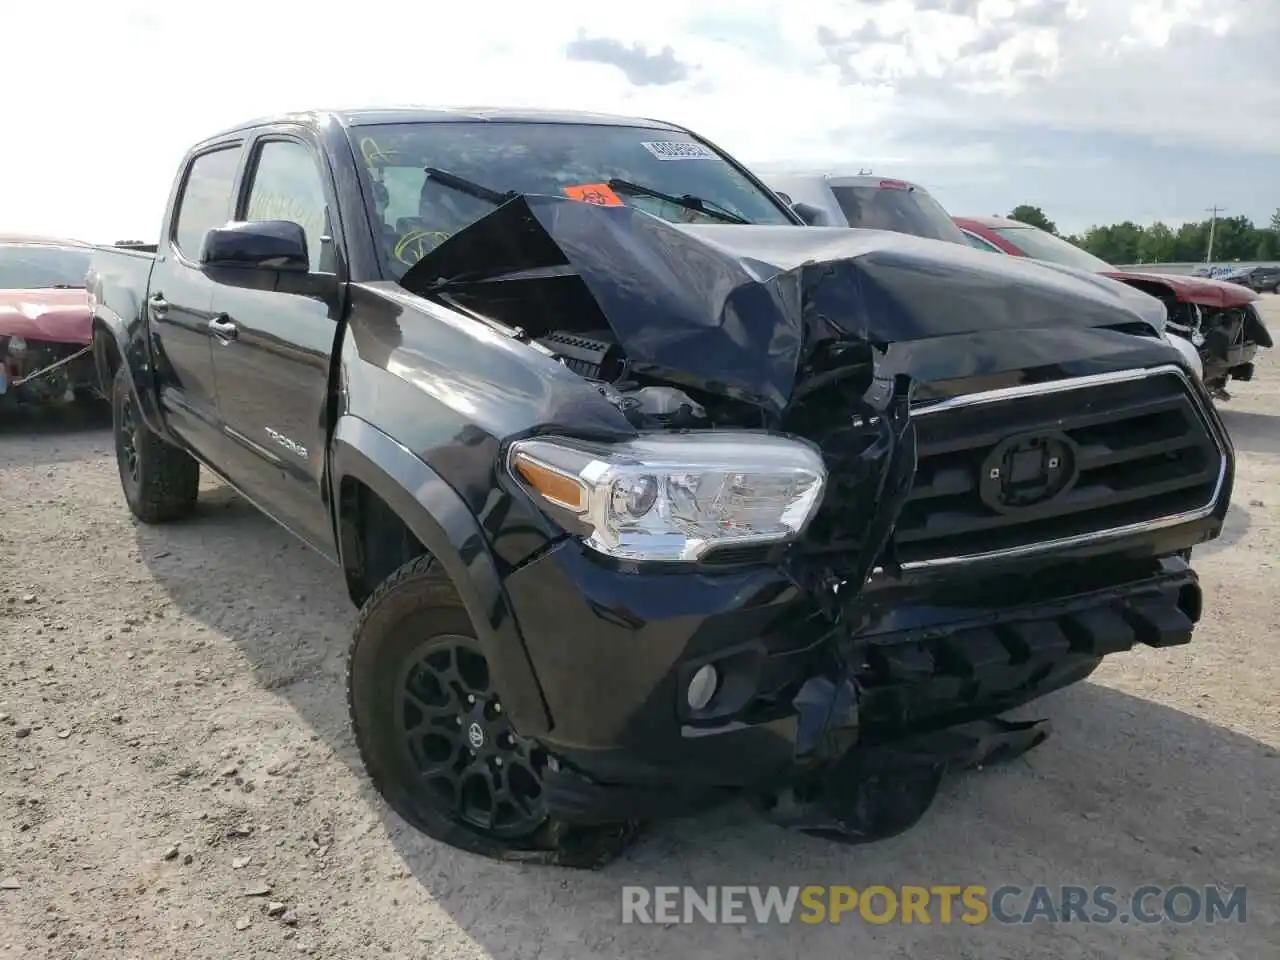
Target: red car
45,324
1219,318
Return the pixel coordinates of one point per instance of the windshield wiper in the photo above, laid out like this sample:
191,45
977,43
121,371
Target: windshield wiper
66,286
469,187
688,200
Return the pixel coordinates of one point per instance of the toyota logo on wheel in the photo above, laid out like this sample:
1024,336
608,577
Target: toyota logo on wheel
475,736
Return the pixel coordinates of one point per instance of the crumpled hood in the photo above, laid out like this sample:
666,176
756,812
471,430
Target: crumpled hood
745,310
1206,291
58,316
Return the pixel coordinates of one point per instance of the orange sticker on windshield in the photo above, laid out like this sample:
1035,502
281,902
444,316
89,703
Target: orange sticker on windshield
597,193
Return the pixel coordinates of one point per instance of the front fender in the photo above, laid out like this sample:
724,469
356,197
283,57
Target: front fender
446,527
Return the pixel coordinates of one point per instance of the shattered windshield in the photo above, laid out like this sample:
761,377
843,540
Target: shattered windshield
37,267
416,213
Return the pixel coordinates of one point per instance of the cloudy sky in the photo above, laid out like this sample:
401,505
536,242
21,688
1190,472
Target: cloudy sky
1096,110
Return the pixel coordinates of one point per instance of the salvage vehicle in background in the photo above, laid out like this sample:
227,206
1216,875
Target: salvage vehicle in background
867,202
1259,277
650,494
44,320
1218,318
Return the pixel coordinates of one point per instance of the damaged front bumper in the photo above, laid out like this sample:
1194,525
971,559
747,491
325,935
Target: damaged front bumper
615,652
35,371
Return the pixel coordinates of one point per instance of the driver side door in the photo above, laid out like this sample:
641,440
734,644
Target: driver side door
277,333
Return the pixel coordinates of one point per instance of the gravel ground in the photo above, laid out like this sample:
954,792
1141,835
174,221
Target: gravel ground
177,778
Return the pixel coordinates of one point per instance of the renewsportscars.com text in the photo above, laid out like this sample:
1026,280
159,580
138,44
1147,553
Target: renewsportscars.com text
941,904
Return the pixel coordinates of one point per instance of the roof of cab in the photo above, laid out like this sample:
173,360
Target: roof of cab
362,116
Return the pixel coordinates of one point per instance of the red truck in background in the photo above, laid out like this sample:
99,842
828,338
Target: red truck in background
45,323
1218,317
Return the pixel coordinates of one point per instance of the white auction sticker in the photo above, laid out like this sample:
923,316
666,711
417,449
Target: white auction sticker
677,150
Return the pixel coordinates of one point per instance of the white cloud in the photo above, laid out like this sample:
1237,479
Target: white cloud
101,99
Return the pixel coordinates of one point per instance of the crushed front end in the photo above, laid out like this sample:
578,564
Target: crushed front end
44,345
1011,482
978,602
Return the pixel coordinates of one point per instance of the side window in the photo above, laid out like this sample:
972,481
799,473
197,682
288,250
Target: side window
206,198
286,185
979,244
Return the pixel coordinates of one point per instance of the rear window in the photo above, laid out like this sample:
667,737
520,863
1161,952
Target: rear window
36,267
415,214
206,198
900,209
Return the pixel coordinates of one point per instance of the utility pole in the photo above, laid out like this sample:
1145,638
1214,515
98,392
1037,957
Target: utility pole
1213,221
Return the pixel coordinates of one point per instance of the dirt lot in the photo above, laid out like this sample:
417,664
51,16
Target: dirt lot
174,745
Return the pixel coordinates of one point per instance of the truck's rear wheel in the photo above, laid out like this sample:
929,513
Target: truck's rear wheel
435,739
160,481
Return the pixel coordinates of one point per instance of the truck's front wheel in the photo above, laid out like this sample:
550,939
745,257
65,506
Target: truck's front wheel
160,481
434,736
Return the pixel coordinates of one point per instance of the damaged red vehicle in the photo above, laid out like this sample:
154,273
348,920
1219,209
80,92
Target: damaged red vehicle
45,323
1219,318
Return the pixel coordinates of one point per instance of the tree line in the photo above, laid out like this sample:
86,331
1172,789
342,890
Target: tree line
1234,238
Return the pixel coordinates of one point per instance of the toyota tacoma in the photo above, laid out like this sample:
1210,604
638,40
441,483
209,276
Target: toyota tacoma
650,494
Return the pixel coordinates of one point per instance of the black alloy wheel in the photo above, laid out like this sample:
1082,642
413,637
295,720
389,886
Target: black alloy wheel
462,744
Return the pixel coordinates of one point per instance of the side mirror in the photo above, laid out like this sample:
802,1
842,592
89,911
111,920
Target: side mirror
810,214
257,244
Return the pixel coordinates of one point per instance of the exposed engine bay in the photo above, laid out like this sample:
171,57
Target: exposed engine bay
597,356
39,372
1227,339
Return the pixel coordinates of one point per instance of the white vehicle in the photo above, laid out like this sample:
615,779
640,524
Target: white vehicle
883,203
866,201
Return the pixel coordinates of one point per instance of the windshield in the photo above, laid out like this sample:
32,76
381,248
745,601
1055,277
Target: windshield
1039,245
416,214
900,209
37,266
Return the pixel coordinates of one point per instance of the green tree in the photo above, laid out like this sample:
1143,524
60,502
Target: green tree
1234,238
1268,245
1118,243
1025,213
1275,221
1156,244
1192,239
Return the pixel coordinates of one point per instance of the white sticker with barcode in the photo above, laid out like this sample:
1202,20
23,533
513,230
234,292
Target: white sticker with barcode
678,150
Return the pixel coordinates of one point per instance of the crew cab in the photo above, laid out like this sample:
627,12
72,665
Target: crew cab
649,493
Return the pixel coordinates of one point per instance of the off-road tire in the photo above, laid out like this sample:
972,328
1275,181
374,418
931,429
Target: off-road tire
416,603
165,481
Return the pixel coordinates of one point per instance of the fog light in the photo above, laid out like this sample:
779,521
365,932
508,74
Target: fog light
703,687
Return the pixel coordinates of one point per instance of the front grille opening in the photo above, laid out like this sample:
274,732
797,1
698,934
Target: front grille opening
1139,448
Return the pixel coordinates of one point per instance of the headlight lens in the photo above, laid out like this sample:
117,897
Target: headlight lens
677,497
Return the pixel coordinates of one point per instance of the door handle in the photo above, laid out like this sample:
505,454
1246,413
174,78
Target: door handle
223,328
159,305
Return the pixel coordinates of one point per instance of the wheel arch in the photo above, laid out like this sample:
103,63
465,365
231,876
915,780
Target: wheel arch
112,348
375,479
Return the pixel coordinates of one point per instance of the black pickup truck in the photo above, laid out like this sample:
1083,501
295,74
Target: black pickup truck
650,494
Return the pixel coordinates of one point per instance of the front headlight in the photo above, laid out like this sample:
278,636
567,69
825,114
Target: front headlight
676,497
